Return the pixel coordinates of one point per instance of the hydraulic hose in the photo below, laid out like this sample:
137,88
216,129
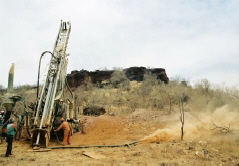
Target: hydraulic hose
57,138
39,67
90,146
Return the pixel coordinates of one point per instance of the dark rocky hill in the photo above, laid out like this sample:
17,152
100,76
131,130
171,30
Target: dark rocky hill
77,78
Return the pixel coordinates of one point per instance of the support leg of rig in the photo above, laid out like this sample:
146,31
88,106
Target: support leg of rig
36,146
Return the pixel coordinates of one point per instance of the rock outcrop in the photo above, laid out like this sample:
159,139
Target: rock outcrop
137,73
77,78
94,111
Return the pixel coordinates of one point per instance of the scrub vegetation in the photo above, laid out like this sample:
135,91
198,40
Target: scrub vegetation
174,123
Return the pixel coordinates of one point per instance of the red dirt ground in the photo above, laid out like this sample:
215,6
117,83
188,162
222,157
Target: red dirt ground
112,130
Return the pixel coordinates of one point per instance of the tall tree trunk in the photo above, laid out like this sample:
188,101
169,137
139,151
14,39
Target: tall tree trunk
182,119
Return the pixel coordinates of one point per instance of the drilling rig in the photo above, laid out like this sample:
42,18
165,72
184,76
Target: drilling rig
53,103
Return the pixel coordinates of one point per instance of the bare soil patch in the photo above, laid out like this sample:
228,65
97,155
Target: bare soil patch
158,135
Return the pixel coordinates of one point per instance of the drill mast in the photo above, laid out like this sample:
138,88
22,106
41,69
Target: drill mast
50,104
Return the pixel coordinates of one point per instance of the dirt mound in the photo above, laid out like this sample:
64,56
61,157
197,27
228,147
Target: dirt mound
103,123
101,130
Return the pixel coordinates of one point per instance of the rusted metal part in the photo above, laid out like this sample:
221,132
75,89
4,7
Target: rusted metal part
43,135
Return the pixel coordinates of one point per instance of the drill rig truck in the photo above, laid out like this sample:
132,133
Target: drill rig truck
53,102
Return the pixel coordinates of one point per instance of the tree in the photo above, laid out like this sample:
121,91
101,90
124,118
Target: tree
203,89
167,92
233,91
150,80
119,80
182,98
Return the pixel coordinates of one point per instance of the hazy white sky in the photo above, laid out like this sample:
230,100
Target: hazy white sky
193,39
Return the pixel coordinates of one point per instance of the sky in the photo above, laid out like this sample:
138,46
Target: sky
192,39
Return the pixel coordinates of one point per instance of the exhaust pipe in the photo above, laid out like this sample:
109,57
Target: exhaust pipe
10,79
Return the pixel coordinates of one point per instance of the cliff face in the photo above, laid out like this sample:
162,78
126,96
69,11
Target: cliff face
137,73
77,78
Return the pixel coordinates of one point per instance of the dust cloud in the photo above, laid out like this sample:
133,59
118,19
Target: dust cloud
160,135
203,126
